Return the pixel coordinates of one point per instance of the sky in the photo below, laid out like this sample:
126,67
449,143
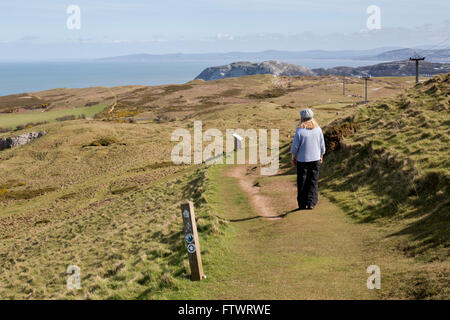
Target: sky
37,29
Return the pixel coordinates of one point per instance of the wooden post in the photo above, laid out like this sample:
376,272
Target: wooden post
191,241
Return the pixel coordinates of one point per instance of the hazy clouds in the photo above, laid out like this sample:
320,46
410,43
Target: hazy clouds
34,29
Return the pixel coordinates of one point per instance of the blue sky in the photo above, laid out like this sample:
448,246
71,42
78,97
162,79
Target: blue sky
134,26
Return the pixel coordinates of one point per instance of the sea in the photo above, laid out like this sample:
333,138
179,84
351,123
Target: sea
20,77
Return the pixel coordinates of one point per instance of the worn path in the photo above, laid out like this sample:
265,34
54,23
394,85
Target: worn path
308,254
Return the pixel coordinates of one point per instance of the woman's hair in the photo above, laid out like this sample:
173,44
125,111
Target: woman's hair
307,123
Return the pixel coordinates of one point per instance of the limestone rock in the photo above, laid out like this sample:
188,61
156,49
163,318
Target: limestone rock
245,68
20,140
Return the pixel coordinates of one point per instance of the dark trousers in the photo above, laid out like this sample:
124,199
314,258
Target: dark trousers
307,183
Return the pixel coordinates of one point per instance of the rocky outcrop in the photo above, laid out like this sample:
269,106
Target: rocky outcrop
20,140
245,68
387,69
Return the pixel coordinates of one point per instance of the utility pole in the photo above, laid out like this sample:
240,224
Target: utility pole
417,58
343,86
366,78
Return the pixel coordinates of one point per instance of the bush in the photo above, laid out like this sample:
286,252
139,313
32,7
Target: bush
21,127
162,117
102,142
270,93
66,118
335,134
29,125
99,115
26,194
124,190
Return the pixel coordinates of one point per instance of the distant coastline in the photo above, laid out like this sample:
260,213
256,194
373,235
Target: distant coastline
148,69
20,77
378,54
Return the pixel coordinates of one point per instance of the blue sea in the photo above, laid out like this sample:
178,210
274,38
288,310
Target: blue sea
19,77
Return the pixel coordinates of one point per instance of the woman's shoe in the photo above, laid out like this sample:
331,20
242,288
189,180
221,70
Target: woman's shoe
310,207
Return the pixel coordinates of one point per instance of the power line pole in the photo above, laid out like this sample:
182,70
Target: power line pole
366,78
343,86
417,58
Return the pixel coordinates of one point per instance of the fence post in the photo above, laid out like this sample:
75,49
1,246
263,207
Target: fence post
191,241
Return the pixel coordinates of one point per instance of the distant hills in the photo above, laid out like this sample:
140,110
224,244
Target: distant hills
441,55
253,56
394,62
387,69
379,54
245,68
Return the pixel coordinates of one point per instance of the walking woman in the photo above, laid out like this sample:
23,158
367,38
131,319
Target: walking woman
307,153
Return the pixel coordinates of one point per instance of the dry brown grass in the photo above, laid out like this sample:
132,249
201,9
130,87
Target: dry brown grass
113,210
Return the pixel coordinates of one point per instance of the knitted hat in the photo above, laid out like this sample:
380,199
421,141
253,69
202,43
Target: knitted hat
306,114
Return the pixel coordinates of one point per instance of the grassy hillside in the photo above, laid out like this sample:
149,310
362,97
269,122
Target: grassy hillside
393,168
103,194
9,121
111,210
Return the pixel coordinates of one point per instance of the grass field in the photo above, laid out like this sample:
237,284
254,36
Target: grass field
395,171
15,119
113,210
396,167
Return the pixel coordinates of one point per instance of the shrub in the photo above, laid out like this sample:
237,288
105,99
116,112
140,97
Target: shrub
174,88
124,190
66,118
270,93
335,134
162,117
231,92
102,142
29,125
99,115
125,113
24,194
